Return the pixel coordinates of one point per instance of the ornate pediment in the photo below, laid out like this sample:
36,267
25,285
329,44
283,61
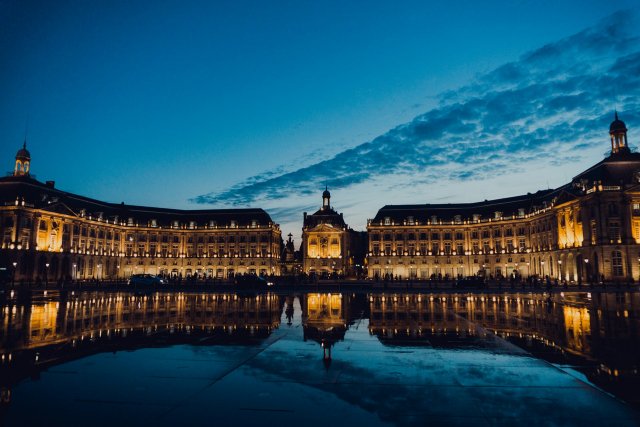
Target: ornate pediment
564,197
323,228
59,208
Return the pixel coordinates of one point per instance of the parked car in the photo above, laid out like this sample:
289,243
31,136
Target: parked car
250,280
145,280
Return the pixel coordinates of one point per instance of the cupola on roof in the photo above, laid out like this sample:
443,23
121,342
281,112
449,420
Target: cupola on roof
617,125
23,152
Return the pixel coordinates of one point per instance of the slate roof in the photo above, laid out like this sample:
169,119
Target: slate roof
43,196
617,169
486,209
324,216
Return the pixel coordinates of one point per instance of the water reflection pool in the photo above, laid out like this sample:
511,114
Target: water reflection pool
104,358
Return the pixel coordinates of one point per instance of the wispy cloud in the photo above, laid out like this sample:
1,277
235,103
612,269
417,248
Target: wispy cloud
552,103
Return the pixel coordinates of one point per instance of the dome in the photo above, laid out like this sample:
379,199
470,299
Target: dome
617,125
325,193
23,152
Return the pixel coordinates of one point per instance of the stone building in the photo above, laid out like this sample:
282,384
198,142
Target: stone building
48,234
585,230
325,241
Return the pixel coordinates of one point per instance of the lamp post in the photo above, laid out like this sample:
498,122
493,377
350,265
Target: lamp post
74,273
586,267
560,269
13,276
46,274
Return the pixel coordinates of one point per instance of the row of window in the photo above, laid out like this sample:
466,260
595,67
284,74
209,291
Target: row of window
192,225
457,219
165,238
26,221
612,210
447,235
461,261
448,247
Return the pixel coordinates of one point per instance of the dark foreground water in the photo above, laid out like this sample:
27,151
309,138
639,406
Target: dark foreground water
318,359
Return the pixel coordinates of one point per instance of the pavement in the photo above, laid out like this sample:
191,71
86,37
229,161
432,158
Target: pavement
284,380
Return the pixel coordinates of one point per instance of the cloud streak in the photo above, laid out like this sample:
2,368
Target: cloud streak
552,103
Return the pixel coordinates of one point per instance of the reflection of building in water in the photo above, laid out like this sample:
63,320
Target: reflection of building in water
89,316
289,311
324,319
577,325
603,327
48,332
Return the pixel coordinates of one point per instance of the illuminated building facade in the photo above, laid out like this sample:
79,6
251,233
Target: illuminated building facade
586,230
325,241
48,234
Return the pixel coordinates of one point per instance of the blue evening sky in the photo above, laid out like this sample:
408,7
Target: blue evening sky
260,103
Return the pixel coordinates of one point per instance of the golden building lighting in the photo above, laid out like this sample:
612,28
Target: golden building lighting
587,230
51,235
325,241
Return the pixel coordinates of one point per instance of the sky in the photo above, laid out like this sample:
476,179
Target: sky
199,105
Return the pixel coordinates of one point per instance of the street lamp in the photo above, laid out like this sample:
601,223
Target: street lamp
560,269
13,277
586,265
46,274
75,272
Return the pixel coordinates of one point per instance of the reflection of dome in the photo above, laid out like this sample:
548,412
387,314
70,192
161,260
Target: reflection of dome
617,125
23,153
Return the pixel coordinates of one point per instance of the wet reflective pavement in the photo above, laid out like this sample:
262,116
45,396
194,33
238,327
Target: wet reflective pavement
344,359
